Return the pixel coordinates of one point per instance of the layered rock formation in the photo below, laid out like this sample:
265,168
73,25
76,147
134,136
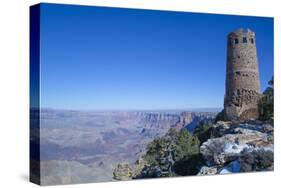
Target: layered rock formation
157,123
98,141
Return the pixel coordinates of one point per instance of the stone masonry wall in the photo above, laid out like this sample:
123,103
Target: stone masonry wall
242,76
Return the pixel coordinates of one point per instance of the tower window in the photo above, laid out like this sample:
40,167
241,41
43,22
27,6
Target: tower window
236,41
238,92
238,73
244,40
252,40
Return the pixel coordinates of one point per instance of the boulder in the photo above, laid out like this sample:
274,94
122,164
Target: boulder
205,170
122,172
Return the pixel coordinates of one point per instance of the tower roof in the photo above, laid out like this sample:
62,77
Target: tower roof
241,32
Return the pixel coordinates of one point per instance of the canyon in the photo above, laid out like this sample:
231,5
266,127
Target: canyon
85,146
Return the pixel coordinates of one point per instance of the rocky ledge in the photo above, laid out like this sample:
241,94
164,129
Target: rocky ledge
238,147
216,148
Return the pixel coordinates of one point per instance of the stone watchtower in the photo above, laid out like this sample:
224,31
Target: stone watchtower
242,88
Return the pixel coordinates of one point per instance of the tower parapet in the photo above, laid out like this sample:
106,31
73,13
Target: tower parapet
242,87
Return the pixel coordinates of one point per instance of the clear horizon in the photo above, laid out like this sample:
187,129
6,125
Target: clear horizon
101,58
134,110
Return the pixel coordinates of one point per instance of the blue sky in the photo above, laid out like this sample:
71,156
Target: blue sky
122,59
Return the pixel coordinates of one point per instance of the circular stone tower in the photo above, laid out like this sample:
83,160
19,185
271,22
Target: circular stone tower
242,88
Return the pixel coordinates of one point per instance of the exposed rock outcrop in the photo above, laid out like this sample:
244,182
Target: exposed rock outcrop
122,172
177,120
233,143
205,170
229,147
157,123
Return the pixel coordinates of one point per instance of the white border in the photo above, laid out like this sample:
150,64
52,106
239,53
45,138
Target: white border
14,93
